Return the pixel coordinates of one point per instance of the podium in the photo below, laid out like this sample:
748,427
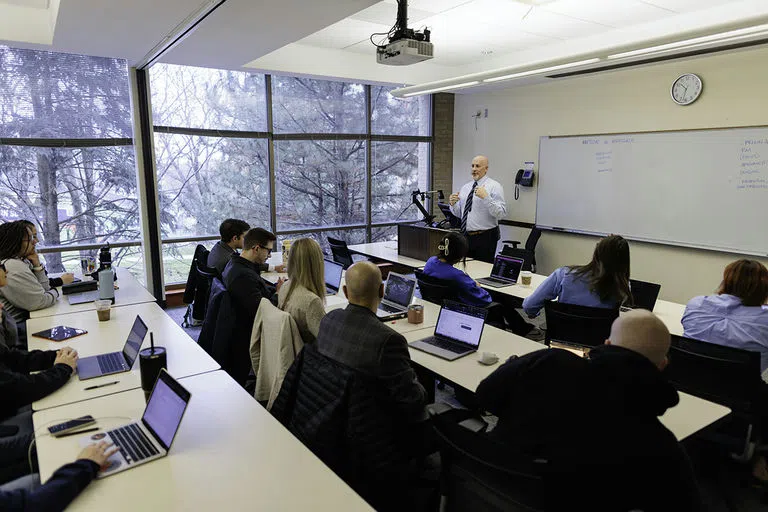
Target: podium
418,242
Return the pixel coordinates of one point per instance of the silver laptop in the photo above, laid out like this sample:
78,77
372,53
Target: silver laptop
333,273
83,297
505,272
151,438
114,362
457,333
398,294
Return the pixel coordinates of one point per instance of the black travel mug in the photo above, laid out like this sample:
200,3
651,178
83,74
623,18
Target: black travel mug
151,361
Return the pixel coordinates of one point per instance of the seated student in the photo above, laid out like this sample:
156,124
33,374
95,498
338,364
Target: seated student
452,249
19,388
303,295
232,232
65,278
595,419
602,283
28,288
355,337
62,488
735,316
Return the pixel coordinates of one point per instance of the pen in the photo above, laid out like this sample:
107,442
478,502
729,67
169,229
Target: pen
78,432
101,385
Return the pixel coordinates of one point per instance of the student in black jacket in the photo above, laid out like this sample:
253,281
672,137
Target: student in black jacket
63,486
246,289
596,420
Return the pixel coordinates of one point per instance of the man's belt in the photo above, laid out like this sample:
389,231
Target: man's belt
472,233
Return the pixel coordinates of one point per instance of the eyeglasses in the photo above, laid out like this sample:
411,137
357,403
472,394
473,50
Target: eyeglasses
269,250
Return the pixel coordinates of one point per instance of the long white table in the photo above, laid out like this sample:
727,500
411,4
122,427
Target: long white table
129,292
185,357
229,454
386,251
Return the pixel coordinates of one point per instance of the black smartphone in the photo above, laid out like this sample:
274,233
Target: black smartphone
71,425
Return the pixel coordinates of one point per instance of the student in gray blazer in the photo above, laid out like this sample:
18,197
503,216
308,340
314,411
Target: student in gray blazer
355,337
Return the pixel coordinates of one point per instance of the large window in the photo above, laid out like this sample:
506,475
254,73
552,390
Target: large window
66,154
344,157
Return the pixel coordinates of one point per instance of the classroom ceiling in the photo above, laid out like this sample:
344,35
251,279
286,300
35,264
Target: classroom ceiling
331,38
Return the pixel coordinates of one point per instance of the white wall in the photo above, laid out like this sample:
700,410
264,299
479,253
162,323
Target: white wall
629,100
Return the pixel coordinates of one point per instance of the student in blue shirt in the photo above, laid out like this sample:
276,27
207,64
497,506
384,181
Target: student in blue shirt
602,283
452,249
736,316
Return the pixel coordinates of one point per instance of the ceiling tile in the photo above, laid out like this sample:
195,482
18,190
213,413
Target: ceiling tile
386,14
609,12
344,33
686,5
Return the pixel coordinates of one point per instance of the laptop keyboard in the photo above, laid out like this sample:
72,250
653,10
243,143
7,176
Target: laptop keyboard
388,309
111,363
446,345
132,442
496,280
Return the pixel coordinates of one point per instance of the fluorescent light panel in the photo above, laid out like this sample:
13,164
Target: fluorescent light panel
542,70
697,41
444,88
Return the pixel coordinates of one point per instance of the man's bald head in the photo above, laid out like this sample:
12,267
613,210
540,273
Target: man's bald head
479,167
643,332
363,284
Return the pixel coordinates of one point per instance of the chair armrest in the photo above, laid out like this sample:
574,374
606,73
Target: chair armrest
515,243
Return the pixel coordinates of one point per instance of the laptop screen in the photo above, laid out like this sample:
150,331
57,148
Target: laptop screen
507,268
165,408
134,341
333,272
461,322
399,289
644,293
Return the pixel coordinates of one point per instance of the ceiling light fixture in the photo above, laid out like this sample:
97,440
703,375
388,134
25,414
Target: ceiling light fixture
731,35
541,70
444,88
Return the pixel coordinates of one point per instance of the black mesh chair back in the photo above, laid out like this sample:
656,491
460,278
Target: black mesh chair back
478,473
644,294
340,252
579,325
528,253
725,375
434,289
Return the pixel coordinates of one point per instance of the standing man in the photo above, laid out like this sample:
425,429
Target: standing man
480,204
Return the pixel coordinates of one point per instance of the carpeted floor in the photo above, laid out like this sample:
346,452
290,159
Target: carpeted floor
725,484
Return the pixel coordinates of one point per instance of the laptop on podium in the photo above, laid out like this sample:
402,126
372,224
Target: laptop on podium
114,362
505,272
457,333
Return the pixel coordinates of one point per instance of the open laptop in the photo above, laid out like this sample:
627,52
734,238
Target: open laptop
644,295
505,271
457,333
83,297
114,362
151,438
398,293
333,273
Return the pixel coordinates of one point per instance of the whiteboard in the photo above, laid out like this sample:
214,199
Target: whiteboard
698,188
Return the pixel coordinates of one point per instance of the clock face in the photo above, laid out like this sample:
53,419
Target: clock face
686,89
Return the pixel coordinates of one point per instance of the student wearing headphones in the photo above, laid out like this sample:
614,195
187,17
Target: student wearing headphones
452,249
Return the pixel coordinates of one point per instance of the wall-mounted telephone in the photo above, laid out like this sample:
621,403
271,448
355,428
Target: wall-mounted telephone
525,178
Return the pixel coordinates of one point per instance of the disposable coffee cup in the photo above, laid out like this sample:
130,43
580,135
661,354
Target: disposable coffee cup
151,361
103,309
415,314
525,278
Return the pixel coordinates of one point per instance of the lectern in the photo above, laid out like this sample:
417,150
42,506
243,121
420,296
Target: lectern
418,242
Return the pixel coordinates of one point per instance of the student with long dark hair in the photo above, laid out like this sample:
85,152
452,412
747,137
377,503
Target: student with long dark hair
28,288
601,283
453,248
65,278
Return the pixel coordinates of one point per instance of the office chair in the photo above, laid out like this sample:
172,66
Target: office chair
644,294
725,375
528,253
478,473
436,290
340,252
580,325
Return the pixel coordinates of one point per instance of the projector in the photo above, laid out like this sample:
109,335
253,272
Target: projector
404,52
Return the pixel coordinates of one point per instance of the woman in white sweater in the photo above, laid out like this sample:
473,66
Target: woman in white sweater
303,295
28,288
